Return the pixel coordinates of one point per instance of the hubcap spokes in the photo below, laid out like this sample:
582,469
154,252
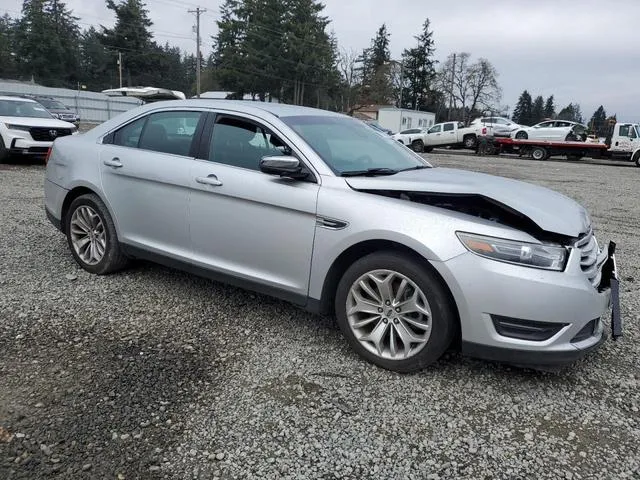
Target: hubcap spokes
88,236
389,314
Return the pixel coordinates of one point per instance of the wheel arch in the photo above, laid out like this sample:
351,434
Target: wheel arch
361,249
75,192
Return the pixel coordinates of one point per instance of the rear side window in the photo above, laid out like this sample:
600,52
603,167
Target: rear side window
448,127
129,135
170,132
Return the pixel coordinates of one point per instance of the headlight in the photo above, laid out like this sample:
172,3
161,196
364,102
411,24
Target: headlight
12,126
548,257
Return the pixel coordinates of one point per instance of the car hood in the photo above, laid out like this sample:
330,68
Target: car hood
549,210
37,122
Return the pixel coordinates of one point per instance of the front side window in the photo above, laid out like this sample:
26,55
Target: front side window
169,132
435,129
347,147
243,144
544,125
624,130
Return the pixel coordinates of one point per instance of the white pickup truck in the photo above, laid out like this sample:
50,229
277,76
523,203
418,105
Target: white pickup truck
453,134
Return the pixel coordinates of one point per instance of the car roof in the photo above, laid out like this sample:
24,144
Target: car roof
16,97
247,106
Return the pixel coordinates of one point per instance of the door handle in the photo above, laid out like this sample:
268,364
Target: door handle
114,162
209,180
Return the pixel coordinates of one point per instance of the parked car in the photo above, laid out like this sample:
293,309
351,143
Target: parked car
330,215
412,138
496,126
26,128
59,110
558,130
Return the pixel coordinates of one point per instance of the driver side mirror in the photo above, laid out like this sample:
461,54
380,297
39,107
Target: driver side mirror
282,165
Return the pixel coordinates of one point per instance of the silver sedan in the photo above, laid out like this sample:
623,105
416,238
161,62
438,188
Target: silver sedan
318,209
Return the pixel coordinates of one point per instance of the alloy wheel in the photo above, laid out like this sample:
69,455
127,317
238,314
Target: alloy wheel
88,235
389,315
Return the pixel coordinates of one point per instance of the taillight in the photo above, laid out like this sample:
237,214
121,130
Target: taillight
46,158
484,130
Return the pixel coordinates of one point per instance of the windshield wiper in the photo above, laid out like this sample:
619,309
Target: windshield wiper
417,167
369,172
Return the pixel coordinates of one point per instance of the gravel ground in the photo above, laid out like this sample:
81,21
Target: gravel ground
151,373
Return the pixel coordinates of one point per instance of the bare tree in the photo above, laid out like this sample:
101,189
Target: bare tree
348,66
484,91
469,86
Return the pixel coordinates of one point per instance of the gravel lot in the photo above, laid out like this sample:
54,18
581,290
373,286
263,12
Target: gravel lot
151,373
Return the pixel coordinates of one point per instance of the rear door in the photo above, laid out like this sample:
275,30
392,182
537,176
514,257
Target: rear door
449,134
255,227
145,171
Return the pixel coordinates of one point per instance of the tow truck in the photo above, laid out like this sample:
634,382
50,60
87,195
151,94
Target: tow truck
622,143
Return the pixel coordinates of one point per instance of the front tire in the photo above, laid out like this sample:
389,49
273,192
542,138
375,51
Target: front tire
91,235
4,153
417,146
636,158
395,312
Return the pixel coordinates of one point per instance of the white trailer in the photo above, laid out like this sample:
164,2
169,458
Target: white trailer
397,120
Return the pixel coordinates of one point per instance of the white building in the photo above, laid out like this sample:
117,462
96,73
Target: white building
396,119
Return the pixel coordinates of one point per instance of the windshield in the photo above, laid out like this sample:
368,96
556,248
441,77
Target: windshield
347,145
52,104
22,108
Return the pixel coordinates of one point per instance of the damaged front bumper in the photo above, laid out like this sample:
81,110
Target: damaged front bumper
531,317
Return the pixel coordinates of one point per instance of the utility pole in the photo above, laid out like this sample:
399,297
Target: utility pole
453,73
198,11
120,67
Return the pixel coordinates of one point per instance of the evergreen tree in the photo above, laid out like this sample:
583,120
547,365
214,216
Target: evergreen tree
8,66
598,121
549,108
375,69
132,38
537,110
522,113
275,47
419,70
571,112
46,39
98,70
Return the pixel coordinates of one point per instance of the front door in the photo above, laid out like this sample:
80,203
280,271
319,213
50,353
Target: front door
145,177
434,135
255,227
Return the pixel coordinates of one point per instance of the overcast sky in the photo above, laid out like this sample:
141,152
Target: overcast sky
584,51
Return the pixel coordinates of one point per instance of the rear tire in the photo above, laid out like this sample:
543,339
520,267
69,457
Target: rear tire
4,153
470,141
417,146
539,153
522,135
88,224
429,334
